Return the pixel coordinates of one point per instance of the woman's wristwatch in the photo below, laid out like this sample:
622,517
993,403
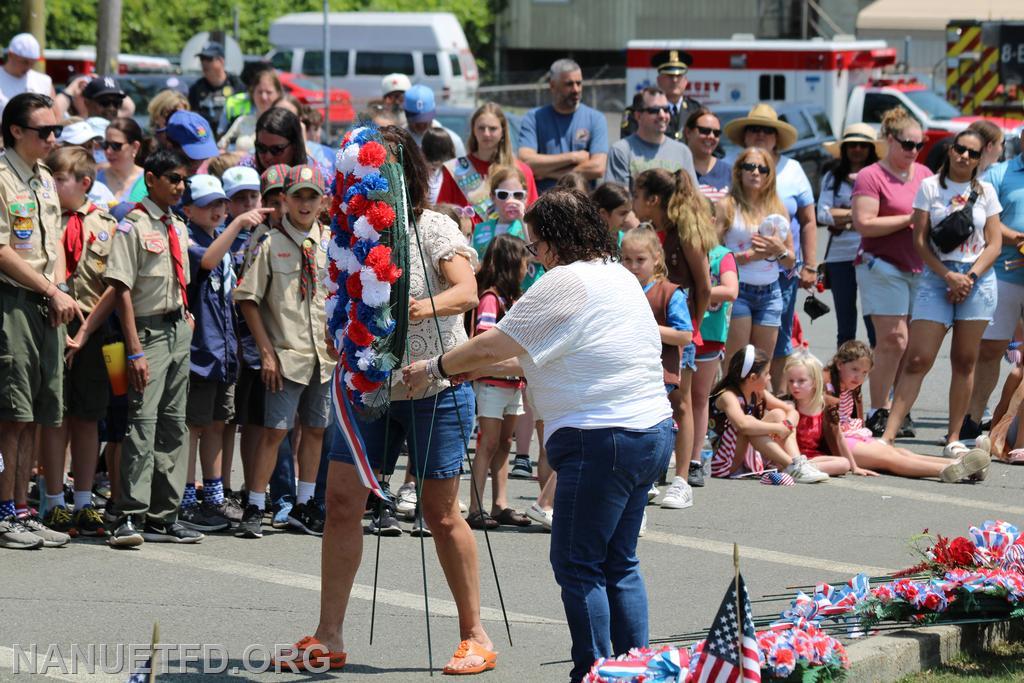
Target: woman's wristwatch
974,277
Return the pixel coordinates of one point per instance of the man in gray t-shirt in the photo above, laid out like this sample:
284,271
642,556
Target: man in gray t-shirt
648,147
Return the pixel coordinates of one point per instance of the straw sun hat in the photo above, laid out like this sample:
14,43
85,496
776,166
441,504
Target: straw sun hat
857,132
762,115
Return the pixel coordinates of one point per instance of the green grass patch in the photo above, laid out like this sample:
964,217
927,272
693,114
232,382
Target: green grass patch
1004,664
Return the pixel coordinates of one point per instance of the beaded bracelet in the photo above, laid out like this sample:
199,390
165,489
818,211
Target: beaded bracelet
136,356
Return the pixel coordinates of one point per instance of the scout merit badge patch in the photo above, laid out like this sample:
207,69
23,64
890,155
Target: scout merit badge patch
23,209
153,243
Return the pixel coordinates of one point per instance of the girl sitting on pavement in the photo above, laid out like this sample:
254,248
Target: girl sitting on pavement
643,256
843,379
751,424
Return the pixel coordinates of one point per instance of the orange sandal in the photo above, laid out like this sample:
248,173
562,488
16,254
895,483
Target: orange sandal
469,648
310,653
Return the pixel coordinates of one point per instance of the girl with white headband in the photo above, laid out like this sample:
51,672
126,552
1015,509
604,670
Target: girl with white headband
751,425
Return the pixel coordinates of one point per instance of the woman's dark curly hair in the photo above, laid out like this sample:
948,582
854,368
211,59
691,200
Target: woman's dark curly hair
568,221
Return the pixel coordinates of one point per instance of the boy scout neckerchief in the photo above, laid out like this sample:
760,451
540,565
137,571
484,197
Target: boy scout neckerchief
73,243
308,279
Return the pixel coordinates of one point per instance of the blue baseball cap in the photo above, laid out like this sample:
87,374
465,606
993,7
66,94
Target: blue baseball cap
419,104
192,132
203,190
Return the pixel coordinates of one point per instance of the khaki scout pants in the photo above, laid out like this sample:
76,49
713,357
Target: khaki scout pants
154,456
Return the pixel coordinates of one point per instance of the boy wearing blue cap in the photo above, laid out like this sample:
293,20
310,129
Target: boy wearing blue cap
214,352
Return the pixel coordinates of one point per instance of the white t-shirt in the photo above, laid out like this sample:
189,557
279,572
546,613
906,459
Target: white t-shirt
32,81
738,238
940,202
593,350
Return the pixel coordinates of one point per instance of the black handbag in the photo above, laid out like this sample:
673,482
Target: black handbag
815,307
954,229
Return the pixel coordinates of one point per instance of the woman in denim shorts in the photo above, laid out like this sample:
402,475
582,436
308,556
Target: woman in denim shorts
757,312
958,287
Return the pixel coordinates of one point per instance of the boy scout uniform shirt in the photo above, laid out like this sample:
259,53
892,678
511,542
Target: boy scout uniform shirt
29,214
296,327
86,283
140,258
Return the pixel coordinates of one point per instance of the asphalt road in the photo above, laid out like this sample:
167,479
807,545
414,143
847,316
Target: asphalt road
240,597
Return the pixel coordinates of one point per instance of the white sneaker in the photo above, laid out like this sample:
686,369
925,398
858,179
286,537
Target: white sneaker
643,525
954,449
803,472
678,496
540,515
407,500
974,461
462,508
653,493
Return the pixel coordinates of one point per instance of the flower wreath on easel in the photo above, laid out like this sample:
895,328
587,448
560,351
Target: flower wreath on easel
367,304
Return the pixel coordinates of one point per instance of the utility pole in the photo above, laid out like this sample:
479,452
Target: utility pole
108,37
33,20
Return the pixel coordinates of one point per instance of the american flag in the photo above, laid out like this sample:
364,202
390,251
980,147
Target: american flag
143,674
719,661
776,478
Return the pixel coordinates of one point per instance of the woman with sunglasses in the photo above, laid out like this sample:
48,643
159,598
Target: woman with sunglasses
124,146
703,132
957,289
465,178
857,149
889,266
279,140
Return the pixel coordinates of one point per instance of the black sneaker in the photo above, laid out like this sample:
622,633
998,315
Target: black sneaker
125,535
59,518
695,475
251,525
175,532
522,468
383,522
876,423
307,517
907,429
110,512
969,429
203,517
230,509
89,522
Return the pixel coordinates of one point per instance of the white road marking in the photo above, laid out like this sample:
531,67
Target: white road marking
763,555
283,577
927,496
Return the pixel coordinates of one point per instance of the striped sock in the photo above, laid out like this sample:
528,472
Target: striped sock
188,499
214,489
6,508
21,509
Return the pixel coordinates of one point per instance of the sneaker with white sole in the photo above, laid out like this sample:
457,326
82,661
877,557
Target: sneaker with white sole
643,525
540,515
803,472
678,496
420,528
954,449
14,535
51,538
522,468
973,462
407,499
652,493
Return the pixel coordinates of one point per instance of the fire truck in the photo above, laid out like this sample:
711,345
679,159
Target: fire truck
985,67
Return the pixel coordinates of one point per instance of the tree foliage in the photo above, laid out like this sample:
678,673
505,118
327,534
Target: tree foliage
163,27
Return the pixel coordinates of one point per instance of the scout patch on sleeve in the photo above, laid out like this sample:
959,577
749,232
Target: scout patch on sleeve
124,226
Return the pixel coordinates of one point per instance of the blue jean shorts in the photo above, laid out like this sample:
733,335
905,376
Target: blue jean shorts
930,302
410,422
688,357
762,303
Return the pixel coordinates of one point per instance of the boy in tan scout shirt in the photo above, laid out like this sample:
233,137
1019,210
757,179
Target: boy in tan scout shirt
148,269
87,233
33,307
281,295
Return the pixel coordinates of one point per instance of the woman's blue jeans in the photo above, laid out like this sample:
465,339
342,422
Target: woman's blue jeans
603,479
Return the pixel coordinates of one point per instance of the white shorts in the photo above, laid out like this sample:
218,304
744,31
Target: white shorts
884,288
497,402
1010,309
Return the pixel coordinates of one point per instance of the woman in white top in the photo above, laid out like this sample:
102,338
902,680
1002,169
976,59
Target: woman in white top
957,288
752,198
856,149
587,342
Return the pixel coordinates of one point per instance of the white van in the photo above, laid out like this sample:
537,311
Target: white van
429,47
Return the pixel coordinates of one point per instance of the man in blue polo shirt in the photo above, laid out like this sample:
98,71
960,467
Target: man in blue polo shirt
1008,180
566,135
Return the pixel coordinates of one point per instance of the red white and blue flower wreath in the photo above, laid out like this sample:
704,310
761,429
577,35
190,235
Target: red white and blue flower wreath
367,302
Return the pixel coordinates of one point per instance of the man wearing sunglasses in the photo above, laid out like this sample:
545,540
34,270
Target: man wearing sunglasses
36,307
672,66
649,147
17,75
103,97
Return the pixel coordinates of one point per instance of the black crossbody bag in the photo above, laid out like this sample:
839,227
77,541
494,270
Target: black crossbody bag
954,229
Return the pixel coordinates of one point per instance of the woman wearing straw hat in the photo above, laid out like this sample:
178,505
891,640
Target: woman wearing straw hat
761,127
858,148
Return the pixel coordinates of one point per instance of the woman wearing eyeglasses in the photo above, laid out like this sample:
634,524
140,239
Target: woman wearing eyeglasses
703,132
889,266
857,149
465,178
958,288
123,145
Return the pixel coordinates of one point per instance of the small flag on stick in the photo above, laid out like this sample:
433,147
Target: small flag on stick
147,672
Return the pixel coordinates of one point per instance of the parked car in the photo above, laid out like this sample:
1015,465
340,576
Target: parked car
142,87
812,127
457,119
310,90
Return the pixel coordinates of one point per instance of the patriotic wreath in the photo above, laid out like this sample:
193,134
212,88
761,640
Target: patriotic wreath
367,304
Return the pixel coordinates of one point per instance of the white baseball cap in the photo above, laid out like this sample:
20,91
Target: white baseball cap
238,178
78,133
203,189
394,82
25,45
